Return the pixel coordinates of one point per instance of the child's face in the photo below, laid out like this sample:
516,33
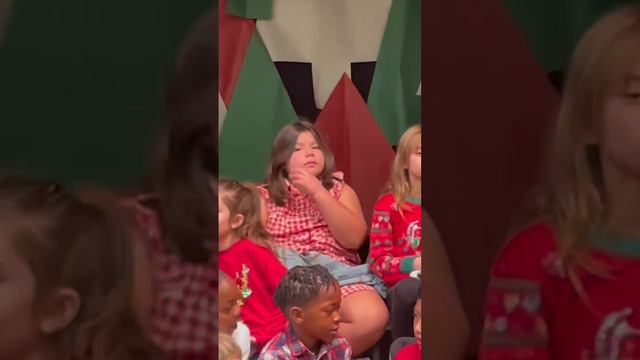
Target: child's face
321,316
307,155
223,218
226,222
620,143
417,321
415,162
228,306
18,324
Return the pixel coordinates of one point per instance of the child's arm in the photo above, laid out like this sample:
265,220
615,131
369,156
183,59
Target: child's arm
263,211
344,215
143,281
144,233
273,268
384,263
515,325
444,324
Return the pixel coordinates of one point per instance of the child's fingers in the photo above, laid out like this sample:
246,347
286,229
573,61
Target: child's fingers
298,174
295,175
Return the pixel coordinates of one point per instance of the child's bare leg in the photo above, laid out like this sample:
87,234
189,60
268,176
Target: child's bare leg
365,316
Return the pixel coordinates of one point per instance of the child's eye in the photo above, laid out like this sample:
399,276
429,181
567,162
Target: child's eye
634,95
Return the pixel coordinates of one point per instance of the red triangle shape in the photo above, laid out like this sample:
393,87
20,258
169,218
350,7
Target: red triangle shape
361,150
487,106
234,34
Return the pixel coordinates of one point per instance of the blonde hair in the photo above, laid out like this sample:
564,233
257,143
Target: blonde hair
244,199
283,146
400,184
228,349
575,200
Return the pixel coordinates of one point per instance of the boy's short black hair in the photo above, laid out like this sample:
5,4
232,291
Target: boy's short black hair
302,284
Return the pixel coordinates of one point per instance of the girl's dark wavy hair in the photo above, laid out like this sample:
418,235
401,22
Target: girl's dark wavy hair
185,180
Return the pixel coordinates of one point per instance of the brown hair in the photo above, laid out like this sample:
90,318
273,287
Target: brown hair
185,180
400,185
244,199
283,146
84,242
575,198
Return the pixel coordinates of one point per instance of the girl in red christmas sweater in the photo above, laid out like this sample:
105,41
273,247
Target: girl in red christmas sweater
396,232
568,286
245,255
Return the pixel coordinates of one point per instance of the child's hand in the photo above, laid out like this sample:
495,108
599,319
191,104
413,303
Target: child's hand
305,182
417,264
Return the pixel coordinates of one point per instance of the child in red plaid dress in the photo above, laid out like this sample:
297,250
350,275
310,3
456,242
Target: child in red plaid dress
309,208
178,212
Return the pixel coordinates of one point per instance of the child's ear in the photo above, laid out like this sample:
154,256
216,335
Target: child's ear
237,221
58,310
296,315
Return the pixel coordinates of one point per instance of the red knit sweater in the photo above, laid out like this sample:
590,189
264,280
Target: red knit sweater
395,239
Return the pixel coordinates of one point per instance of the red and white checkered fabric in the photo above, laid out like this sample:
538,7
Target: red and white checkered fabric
299,225
184,316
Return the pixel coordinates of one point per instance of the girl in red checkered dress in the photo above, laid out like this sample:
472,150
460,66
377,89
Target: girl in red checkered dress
309,208
177,214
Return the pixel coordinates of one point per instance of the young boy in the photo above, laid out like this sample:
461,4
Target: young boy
229,300
310,298
414,351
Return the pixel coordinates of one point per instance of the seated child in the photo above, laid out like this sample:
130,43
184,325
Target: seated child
67,285
245,255
229,323
228,349
396,233
414,350
315,218
310,298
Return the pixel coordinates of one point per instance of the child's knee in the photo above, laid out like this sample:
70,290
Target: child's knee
405,290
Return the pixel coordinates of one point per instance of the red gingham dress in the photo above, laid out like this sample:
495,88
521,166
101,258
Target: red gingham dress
183,321
299,226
